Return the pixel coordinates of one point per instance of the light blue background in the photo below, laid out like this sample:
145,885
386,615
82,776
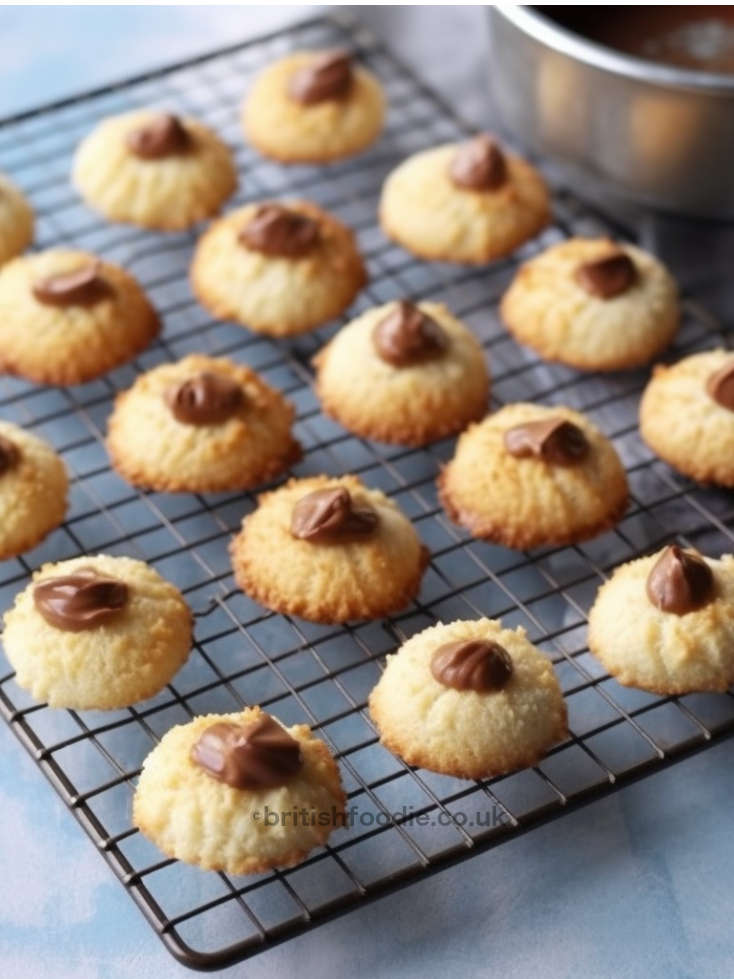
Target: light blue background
638,885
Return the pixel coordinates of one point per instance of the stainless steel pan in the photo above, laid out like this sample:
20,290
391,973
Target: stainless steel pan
656,134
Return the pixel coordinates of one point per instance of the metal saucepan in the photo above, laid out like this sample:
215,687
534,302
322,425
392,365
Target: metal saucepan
660,135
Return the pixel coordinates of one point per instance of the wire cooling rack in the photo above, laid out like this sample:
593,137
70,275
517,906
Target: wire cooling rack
405,823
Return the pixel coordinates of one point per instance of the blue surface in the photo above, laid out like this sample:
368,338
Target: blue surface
50,52
637,885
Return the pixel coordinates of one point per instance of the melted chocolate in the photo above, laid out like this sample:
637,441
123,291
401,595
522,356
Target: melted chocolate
81,287
277,230
406,336
81,600
260,755
607,277
205,399
680,581
9,455
478,165
554,440
720,386
330,515
328,76
165,135
472,664
699,37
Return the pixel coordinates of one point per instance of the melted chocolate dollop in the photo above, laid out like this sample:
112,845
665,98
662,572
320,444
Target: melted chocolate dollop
9,455
328,76
81,287
165,135
406,336
478,165
260,755
472,664
277,230
720,386
205,399
554,440
680,581
81,600
331,515
607,277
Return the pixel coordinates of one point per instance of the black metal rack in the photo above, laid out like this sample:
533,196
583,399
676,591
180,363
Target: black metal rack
313,674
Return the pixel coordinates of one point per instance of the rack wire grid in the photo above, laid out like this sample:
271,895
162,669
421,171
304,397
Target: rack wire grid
408,822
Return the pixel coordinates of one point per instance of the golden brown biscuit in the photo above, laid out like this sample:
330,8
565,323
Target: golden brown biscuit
97,632
593,304
154,169
531,476
328,550
687,416
403,373
453,702
313,107
195,816
33,488
67,317
201,425
665,624
277,268
424,208
16,221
